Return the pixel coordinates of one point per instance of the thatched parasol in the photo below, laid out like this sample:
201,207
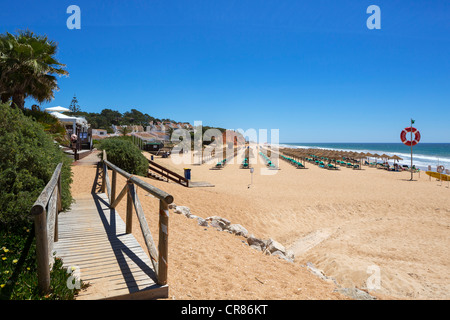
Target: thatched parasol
385,156
396,157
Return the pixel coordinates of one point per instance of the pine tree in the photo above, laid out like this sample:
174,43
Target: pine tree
74,107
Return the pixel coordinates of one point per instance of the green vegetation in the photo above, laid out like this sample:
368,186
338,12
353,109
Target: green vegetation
74,107
18,269
27,68
51,125
124,154
28,158
108,117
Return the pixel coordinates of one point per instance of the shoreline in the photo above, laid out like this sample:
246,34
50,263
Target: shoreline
421,161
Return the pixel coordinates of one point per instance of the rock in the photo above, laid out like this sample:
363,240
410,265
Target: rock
172,206
238,230
218,222
225,221
275,246
355,293
316,271
202,222
256,243
282,256
183,210
290,255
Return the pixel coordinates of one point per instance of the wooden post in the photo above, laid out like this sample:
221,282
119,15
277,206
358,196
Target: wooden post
104,168
43,265
113,187
163,245
129,217
103,188
58,208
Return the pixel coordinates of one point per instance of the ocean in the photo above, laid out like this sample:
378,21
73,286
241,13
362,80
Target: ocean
424,154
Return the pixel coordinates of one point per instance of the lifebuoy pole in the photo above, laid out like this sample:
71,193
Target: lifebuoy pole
411,150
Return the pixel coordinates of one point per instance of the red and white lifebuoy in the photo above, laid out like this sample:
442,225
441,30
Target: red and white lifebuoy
416,136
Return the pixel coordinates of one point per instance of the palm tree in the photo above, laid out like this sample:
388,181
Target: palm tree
28,68
124,130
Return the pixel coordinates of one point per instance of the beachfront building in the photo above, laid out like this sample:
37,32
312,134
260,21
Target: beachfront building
74,125
99,132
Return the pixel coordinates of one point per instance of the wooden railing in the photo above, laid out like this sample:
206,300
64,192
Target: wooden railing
158,257
45,212
169,174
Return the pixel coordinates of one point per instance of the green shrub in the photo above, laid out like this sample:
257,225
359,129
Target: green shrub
123,153
51,125
28,158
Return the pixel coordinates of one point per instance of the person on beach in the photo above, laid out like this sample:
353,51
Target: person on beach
73,140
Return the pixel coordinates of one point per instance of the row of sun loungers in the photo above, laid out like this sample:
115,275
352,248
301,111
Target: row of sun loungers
294,162
245,164
220,164
268,161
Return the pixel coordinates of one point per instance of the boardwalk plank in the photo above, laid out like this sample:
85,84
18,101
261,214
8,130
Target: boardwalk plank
92,237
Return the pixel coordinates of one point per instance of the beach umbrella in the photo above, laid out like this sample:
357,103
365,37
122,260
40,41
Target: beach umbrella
361,156
384,156
396,157
354,155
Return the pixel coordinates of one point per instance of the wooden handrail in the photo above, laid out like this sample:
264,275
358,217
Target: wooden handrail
160,194
169,174
158,257
45,212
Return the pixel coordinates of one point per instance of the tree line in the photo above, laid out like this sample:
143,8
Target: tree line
108,117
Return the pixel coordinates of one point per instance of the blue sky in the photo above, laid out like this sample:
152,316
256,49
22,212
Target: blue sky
311,69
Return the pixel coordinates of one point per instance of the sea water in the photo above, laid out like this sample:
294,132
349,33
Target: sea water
424,154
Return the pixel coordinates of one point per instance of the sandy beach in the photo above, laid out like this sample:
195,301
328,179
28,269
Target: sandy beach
351,224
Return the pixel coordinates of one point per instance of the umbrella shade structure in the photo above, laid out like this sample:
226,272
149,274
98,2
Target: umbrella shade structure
385,157
396,158
63,117
57,109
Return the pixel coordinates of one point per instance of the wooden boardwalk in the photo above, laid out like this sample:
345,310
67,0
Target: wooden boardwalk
92,237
